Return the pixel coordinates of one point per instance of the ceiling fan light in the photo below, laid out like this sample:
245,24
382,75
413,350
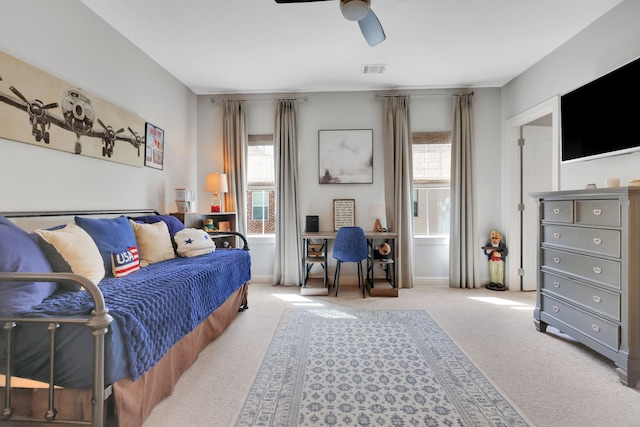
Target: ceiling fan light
354,10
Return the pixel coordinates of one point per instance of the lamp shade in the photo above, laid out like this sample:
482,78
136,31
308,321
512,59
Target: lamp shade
377,210
216,183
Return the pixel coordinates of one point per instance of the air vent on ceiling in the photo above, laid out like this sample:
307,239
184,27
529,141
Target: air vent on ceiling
373,68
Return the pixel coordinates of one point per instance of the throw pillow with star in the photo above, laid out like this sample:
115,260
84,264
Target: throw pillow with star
192,242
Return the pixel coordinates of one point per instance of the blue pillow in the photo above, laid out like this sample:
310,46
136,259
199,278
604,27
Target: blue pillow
19,252
111,236
173,223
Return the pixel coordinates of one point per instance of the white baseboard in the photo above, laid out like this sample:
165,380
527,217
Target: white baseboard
431,282
261,279
427,282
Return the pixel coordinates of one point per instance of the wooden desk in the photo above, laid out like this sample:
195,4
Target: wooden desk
315,252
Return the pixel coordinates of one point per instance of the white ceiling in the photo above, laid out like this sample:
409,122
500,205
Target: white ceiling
255,46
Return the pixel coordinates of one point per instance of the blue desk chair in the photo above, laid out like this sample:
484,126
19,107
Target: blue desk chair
350,246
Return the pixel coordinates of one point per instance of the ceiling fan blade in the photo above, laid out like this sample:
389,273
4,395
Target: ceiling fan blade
297,1
371,29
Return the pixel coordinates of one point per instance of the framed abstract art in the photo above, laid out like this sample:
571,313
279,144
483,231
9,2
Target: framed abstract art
345,156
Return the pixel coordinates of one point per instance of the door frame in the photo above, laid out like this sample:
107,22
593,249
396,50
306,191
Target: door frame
513,176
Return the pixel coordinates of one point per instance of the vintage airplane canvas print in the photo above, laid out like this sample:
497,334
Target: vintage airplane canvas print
40,109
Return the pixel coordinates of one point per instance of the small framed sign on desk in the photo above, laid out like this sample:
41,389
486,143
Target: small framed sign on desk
344,213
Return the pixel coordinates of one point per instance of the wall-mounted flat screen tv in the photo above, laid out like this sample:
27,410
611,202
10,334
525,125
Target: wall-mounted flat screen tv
601,118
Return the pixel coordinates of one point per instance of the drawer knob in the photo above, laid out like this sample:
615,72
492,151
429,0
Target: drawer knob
556,211
556,308
597,212
597,299
597,270
597,240
596,328
556,284
556,260
556,235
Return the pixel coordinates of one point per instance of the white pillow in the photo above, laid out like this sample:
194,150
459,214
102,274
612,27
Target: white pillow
193,242
154,242
75,247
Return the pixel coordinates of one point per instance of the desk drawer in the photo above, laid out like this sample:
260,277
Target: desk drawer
602,271
557,210
598,212
600,300
594,240
605,332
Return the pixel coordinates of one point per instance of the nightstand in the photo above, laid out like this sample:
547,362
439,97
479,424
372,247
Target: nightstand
222,221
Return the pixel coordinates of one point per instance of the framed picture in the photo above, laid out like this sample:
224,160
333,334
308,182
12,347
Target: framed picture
67,119
154,156
345,156
344,213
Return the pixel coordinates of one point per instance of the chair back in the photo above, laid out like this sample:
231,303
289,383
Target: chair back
350,245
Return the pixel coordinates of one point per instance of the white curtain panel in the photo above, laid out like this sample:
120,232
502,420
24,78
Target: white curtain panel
235,159
287,267
464,249
398,184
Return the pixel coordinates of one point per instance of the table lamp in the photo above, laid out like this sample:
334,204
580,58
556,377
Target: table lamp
377,211
216,183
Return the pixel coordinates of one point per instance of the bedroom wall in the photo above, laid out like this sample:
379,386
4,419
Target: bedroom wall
67,40
358,110
605,45
105,64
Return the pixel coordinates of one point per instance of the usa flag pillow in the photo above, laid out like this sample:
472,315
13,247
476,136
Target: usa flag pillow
125,262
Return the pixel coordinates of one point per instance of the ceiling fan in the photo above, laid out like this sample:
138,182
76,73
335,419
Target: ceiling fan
357,10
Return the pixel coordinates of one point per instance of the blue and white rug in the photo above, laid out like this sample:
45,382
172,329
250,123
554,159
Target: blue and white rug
370,368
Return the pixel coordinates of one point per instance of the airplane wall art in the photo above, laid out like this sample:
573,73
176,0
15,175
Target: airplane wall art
40,109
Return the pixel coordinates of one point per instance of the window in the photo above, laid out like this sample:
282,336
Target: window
260,205
261,185
431,153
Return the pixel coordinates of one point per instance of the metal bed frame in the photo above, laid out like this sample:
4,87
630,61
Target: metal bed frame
98,321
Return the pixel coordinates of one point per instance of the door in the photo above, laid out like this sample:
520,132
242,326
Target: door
536,170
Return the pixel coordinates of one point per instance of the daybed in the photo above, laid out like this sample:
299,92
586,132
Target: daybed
126,326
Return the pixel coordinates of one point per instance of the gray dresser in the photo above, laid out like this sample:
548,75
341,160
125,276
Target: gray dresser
589,271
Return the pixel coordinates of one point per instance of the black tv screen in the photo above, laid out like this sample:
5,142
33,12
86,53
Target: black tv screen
600,118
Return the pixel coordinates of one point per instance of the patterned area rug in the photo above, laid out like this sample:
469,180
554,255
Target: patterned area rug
370,368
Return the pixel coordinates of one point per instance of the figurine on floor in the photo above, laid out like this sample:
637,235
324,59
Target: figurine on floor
496,251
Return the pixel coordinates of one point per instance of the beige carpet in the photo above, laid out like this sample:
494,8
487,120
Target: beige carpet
550,378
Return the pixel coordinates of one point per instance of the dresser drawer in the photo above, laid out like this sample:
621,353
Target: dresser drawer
557,210
600,300
593,240
602,271
605,332
598,212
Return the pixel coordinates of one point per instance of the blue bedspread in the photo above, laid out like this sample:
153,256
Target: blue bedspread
158,305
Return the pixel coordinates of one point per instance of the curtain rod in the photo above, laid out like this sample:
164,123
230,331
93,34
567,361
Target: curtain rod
303,98
419,95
